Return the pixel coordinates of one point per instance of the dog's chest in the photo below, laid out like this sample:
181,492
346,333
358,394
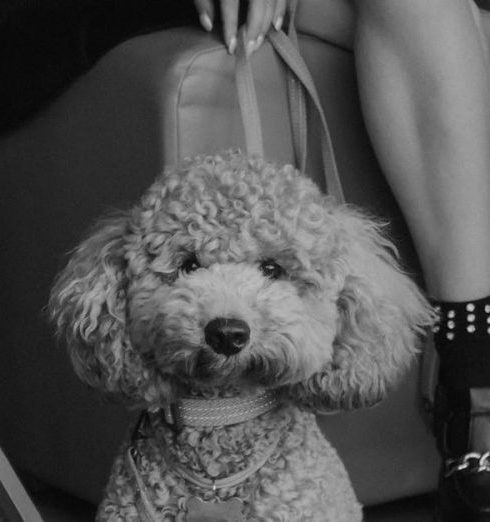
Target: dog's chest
211,474
303,479
302,475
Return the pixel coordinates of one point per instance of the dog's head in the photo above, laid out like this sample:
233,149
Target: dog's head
232,271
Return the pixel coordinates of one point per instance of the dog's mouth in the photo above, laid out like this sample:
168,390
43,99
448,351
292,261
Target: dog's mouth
200,364
208,368
205,366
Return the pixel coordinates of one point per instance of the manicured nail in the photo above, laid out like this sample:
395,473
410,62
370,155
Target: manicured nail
278,23
250,48
232,45
259,41
206,21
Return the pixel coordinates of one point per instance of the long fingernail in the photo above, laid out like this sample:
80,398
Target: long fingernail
232,45
278,23
206,21
250,48
259,41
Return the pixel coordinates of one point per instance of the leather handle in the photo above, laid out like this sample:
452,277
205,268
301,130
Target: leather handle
302,83
297,99
247,99
294,61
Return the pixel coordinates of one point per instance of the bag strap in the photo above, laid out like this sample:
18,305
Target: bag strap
297,99
247,97
291,57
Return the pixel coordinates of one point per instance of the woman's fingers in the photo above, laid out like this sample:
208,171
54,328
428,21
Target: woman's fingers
261,15
267,20
259,19
279,14
229,15
205,10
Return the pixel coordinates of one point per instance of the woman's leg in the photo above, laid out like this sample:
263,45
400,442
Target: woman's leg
424,85
425,90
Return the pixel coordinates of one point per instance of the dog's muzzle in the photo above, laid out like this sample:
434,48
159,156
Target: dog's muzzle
227,336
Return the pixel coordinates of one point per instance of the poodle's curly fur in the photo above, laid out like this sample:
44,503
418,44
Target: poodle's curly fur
333,321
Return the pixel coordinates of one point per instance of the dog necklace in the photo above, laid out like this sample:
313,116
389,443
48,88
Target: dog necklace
199,510
226,411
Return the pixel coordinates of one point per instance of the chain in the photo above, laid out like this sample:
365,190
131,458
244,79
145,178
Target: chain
471,462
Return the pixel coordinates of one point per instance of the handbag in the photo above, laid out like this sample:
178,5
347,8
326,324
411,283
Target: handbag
359,436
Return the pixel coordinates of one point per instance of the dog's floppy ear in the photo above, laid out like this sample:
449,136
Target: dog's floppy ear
381,316
87,304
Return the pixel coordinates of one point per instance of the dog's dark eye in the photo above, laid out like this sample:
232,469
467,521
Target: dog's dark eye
190,264
271,269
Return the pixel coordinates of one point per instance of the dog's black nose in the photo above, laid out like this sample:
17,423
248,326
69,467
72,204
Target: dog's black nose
227,336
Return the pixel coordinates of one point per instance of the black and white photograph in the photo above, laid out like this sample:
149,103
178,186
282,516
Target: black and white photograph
245,261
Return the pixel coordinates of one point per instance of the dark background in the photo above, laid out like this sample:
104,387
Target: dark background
46,44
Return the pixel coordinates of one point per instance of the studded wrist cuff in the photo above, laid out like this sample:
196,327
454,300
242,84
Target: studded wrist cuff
469,319
462,340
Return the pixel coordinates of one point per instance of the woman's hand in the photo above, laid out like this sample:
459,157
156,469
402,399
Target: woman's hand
260,16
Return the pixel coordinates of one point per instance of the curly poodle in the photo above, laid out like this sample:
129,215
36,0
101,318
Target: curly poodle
230,304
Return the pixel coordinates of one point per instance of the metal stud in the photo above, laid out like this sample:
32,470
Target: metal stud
470,307
451,325
487,308
436,328
450,335
451,314
470,328
471,318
